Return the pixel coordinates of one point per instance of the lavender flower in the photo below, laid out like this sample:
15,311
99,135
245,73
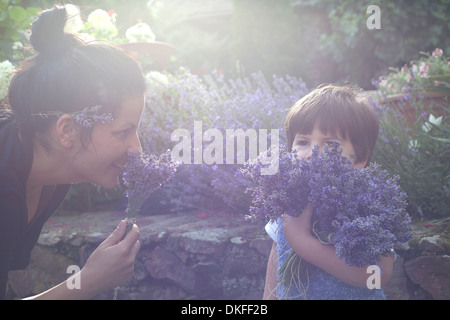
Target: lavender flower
362,211
284,192
143,174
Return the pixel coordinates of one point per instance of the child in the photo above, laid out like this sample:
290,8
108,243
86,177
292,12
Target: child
74,111
326,115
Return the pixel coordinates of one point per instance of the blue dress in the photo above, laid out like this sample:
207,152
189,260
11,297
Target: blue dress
319,284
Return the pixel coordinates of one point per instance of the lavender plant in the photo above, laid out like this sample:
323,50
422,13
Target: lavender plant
361,211
177,100
143,174
418,152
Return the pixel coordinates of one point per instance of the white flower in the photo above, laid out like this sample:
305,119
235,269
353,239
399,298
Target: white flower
6,74
101,25
17,45
157,81
413,144
100,18
424,68
432,120
140,32
74,23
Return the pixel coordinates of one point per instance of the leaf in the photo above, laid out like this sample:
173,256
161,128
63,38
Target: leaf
440,139
17,14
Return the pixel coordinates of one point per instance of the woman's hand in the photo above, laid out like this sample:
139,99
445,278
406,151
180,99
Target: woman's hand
112,263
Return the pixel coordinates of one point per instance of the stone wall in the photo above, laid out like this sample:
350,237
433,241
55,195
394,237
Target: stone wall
423,269
210,255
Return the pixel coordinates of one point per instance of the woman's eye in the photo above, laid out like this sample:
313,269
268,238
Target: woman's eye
123,133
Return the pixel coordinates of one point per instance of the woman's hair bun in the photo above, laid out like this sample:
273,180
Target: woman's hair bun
47,32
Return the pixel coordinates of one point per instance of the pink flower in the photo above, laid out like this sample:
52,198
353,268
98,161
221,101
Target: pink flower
437,53
437,83
404,69
423,71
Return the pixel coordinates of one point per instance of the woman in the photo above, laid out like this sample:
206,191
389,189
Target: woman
74,111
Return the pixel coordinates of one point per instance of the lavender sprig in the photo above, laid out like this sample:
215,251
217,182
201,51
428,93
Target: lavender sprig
85,118
283,193
90,115
143,174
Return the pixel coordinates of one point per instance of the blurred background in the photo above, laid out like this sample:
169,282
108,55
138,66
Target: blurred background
317,40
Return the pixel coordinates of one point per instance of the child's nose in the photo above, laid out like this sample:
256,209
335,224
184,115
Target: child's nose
309,155
310,151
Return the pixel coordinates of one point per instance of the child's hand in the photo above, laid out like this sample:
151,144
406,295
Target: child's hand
112,263
301,225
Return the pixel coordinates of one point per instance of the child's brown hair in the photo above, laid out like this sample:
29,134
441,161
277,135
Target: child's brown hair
338,110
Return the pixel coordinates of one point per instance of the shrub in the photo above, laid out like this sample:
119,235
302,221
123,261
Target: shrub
419,153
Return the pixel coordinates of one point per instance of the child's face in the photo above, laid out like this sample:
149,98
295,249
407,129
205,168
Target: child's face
304,143
108,150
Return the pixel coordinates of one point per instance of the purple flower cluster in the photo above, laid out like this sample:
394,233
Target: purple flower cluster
143,174
285,192
89,116
362,211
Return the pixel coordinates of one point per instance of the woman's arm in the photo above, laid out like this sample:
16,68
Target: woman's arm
298,234
109,266
270,287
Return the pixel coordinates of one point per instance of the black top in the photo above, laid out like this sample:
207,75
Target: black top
17,236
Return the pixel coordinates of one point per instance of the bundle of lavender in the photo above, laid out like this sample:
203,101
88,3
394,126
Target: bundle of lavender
360,211
144,174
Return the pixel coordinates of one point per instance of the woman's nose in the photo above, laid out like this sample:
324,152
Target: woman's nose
135,144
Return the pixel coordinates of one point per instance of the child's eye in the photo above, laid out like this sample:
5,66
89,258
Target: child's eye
301,143
331,143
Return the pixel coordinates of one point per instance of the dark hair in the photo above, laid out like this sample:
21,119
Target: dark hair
338,110
68,75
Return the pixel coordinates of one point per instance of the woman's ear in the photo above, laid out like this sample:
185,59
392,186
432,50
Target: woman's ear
66,130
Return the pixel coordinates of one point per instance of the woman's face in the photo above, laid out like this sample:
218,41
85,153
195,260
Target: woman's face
106,154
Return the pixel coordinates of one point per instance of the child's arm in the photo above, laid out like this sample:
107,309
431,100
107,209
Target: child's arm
298,234
270,288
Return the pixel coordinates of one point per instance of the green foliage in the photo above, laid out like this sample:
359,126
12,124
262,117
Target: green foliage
14,21
419,153
266,33
406,28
